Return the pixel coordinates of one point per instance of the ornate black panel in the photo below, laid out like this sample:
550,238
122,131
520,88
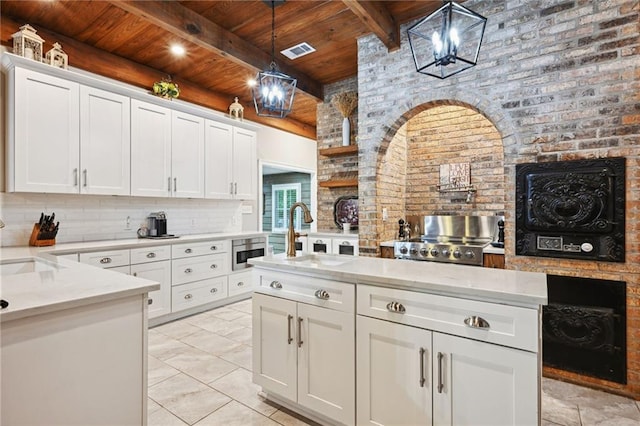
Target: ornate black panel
571,209
584,327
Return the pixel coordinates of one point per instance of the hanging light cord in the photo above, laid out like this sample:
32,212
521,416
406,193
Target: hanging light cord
273,35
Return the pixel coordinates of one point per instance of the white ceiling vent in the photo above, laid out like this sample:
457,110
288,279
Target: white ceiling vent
298,50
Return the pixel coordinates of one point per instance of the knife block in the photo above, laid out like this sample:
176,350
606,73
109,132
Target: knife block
41,239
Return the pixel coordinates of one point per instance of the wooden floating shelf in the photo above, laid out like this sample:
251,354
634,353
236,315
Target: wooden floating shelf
339,150
338,183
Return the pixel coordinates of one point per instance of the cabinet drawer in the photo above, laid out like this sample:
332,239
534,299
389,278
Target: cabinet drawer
314,291
199,268
198,293
506,325
243,282
106,259
319,245
150,254
199,249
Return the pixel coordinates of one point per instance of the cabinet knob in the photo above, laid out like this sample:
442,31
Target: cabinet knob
214,248
188,271
188,250
188,296
322,294
240,284
149,301
214,266
151,255
214,290
105,260
275,284
135,274
396,307
476,322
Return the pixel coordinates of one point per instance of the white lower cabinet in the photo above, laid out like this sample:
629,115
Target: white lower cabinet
408,375
306,355
159,300
240,283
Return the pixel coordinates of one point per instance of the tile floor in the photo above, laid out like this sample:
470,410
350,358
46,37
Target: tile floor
200,374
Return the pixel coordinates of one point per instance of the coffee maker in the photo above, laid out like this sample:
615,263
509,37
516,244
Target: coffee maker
157,224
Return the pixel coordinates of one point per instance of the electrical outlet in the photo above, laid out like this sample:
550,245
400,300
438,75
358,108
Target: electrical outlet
385,214
127,223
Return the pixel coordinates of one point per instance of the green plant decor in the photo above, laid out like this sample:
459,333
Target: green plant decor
166,89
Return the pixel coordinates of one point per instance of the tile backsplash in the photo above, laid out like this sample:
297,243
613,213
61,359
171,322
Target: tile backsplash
93,217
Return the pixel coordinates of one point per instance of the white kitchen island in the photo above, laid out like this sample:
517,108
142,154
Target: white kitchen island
74,342
373,341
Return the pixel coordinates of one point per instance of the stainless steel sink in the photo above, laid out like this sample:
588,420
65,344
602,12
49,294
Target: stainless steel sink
25,266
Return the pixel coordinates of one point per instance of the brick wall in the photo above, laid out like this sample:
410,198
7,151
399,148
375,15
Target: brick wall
559,80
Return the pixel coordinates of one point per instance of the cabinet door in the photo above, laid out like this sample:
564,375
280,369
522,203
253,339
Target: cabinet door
218,151
187,152
275,345
242,282
159,300
326,362
394,373
44,140
244,164
483,384
150,150
105,142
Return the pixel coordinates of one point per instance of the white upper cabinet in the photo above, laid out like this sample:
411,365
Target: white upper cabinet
105,142
187,155
167,149
44,134
150,150
218,160
244,164
230,162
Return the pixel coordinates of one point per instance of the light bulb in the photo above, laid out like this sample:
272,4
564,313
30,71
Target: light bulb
455,38
437,42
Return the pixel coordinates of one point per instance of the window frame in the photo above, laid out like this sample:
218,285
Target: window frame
297,220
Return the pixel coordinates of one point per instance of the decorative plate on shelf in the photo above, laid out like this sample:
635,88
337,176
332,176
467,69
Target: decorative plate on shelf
345,210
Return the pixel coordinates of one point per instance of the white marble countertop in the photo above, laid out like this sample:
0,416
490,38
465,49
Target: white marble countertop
332,233
66,284
509,287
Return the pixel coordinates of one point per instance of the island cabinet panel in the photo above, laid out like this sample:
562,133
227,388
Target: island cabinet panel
483,384
394,380
304,355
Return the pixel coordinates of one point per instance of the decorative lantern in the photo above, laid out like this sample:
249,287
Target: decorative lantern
27,43
236,110
56,57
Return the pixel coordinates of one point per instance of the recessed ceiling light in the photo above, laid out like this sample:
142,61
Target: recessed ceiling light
177,50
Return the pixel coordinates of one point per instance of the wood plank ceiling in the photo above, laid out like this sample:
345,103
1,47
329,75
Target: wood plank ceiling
227,42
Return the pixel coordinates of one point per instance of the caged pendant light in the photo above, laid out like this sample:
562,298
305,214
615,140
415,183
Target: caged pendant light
273,91
447,41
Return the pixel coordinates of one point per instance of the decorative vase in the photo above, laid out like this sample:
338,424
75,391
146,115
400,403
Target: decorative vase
346,132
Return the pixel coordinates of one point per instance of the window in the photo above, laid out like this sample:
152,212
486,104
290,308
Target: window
284,196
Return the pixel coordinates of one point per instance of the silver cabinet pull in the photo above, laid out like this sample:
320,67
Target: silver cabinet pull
169,183
75,177
289,338
214,266
214,248
345,243
235,188
240,284
151,255
396,307
84,177
175,184
149,301
106,260
188,296
188,271
322,294
440,382
135,274
300,332
476,322
214,290
188,250
231,188
422,379
275,284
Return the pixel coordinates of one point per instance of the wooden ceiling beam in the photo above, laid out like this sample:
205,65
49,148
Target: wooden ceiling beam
103,63
187,24
375,16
